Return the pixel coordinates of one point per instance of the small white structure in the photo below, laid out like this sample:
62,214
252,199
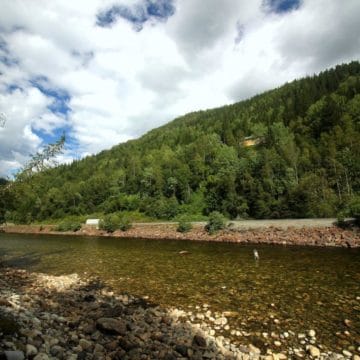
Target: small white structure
256,255
93,222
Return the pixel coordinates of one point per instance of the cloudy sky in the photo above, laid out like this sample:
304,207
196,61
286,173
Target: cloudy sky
105,71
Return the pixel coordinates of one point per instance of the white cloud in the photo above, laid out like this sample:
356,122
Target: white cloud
121,83
23,109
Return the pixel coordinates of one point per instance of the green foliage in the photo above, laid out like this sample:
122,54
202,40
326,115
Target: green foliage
303,162
68,226
162,208
110,223
216,222
184,226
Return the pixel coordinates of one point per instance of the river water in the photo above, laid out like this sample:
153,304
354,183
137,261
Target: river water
289,288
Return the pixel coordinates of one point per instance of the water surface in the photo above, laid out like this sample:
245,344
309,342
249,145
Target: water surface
302,287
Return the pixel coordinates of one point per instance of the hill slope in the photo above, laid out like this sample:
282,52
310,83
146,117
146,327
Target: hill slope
290,152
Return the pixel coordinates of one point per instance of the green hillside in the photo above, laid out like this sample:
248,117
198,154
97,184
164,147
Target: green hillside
290,152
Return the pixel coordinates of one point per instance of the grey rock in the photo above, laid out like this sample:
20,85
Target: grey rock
85,344
181,349
57,351
41,356
126,344
14,355
31,350
111,326
200,341
81,355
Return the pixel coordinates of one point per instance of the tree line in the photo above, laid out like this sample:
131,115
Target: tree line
287,153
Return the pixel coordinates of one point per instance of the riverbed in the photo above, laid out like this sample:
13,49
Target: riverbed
290,289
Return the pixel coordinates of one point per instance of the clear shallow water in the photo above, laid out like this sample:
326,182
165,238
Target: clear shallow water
310,288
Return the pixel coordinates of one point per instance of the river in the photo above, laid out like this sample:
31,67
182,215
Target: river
289,289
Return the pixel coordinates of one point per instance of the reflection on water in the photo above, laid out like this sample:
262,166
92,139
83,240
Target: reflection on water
289,288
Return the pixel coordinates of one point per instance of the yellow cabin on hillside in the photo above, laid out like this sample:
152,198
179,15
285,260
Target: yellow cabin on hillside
251,141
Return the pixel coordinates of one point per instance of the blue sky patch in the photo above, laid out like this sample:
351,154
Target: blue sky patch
137,14
281,6
52,137
240,29
5,56
13,87
60,97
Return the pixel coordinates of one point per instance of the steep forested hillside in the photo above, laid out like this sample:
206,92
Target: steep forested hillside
290,152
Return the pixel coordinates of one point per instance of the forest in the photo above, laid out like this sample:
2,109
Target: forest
292,152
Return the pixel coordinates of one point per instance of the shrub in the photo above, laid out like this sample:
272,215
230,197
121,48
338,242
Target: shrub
184,226
216,222
354,209
68,226
341,219
125,224
110,223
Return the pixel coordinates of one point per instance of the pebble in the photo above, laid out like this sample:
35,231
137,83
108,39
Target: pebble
277,343
347,353
313,351
31,350
41,356
253,349
85,344
312,333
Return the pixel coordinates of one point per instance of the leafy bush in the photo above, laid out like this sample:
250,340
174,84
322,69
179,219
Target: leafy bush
110,223
184,226
68,226
216,222
125,224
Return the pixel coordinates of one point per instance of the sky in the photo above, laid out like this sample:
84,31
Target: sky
106,71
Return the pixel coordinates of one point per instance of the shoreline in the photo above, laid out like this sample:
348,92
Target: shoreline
69,317
324,236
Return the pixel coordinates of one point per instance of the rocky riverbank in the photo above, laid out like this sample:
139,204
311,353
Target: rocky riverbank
331,236
66,317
